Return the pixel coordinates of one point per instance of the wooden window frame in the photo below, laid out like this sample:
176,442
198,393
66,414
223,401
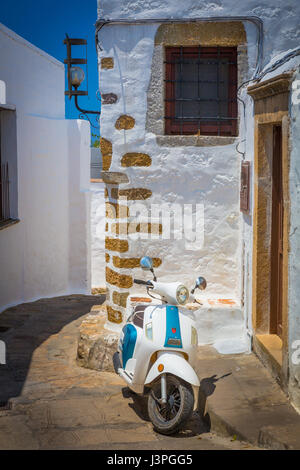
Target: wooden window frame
213,127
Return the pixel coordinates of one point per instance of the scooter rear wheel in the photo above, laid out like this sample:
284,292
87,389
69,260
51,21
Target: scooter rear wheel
170,418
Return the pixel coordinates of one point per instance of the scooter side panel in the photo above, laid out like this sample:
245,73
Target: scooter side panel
174,363
136,352
129,342
173,332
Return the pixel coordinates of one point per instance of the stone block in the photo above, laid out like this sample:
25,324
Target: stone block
115,316
117,279
109,98
125,122
114,244
106,151
107,63
132,194
96,345
116,211
136,159
120,298
130,263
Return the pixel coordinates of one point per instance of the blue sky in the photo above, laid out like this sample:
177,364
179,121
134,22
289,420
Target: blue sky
45,22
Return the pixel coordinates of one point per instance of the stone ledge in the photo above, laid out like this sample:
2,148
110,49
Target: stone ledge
114,177
96,345
194,140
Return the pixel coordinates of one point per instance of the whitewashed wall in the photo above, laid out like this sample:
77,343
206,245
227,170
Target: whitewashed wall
294,258
208,175
48,252
182,175
97,222
281,19
97,235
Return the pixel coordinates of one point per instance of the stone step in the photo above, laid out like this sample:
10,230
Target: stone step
96,344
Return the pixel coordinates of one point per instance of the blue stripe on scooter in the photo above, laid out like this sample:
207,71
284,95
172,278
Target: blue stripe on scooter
172,322
129,341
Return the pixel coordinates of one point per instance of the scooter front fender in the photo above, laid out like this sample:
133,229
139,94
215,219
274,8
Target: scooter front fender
174,363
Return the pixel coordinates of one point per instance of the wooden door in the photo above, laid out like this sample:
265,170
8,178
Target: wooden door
277,235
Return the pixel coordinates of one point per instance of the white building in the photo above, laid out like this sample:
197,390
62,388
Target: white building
45,211
98,222
196,94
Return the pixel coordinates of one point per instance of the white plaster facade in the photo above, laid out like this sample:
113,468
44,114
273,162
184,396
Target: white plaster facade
97,222
47,253
201,174
294,255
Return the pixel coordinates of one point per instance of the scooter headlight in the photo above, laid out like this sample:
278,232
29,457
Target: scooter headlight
194,337
182,295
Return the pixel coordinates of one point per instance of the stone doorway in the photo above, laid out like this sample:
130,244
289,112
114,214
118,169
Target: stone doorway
271,224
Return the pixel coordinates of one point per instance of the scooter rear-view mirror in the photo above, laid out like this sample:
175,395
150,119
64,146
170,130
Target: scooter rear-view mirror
146,264
200,284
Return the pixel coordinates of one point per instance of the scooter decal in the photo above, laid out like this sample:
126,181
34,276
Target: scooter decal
173,333
129,341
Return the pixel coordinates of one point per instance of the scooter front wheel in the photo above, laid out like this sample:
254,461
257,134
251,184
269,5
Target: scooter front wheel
169,418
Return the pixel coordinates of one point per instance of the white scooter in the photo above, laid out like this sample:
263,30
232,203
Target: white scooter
156,353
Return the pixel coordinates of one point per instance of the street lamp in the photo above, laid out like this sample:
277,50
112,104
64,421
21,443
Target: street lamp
76,74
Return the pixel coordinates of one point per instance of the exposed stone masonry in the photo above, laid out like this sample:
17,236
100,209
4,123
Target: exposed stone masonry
133,227
119,280
136,159
107,63
115,244
125,122
114,210
130,263
106,151
109,98
132,193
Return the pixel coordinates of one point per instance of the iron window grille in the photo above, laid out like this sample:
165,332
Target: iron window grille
201,91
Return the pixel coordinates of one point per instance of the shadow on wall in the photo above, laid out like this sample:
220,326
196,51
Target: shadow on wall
25,327
79,205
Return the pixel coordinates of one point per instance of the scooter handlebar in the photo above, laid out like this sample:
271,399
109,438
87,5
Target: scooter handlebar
142,282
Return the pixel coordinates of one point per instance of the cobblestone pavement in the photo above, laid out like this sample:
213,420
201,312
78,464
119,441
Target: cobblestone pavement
57,405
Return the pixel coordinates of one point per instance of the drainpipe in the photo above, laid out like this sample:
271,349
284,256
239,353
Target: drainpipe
252,19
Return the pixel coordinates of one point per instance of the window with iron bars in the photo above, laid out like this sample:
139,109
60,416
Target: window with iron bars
201,91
